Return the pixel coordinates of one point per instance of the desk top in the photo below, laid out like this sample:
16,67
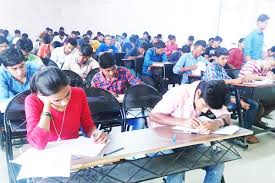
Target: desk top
145,141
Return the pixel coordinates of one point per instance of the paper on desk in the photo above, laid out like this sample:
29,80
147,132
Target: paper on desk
228,130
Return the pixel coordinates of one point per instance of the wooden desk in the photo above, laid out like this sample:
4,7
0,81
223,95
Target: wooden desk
118,169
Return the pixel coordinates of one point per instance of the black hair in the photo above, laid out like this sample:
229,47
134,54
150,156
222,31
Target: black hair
11,57
77,33
200,43
186,49
159,36
160,44
144,46
214,92
191,38
25,35
47,28
86,39
172,37
272,49
133,39
61,33
124,34
46,39
56,44
17,31
211,39
49,80
73,32
24,44
146,33
61,29
106,60
86,50
218,38
89,32
6,32
3,40
72,41
241,40
221,51
55,33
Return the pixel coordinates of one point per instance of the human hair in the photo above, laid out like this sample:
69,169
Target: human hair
72,41
214,92
200,43
211,39
124,34
146,33
218,38
3,40
144,46
61,28
241,40
46,39
133,39
172,37
56,44
160,44
24,44
25,35
106,60
86,50
89,32
48,81
77,33
6,32
61,33
17,31
186,49
11,57
221,51
191,38
263,18
159,36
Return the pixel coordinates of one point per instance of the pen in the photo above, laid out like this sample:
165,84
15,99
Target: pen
99,126
174,138
114,151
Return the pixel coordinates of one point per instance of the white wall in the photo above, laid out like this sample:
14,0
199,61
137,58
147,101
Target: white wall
180,17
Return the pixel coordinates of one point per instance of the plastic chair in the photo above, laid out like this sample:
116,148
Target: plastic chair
105,108
48,62
15,127
90,77
138,102
76,80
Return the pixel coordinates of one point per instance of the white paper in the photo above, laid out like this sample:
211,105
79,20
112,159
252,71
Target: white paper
228,130
201,66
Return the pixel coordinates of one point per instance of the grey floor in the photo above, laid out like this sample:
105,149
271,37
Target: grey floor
257,163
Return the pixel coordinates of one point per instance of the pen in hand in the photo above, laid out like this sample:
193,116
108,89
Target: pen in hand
114,151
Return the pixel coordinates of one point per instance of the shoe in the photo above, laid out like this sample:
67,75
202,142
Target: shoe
261,124
251,139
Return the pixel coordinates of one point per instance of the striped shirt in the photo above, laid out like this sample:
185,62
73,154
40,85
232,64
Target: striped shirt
253,67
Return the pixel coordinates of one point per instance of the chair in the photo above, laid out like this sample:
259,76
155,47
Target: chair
138,66
233,73
193,78
119,57
105,108
138,102
48,62
90,77
15,126
76,80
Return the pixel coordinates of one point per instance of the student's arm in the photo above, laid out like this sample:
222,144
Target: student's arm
99,49
147,59
233,81
164,57
4,88
131,79
180,68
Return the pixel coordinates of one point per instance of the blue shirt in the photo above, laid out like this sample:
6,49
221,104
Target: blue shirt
187,60
126,47
103,47
9,86
132,52
215,71
254,45
150,57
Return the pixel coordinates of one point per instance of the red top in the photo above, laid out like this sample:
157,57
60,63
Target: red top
236,57
77,115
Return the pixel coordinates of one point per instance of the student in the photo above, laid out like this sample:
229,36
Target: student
137,51
15,74
59,54
116,44
210,51
81,62
106,46
271,52
97,41
44,49
190,40
4,44
17,36
56,111
115,80
236,56
177,54
183,104
171,45
215,71
60,37
132,43
253,49
187,62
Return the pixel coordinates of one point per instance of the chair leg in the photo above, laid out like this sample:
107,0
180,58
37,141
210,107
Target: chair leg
223,180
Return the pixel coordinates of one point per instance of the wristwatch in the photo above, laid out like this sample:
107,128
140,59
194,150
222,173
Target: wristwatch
46,114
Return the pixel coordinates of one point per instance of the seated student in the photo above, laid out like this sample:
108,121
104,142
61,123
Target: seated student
116,44
210,51
44,49
115,80
56,111
236,56
17,36
59,54
187,62
96,41
177,54
136,52
15,74
60,37
183,104
271,52
81,62
4,44
26,46
171,45
107,46
215,71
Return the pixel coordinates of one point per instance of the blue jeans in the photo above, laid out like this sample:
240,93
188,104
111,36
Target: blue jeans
250,115
136,123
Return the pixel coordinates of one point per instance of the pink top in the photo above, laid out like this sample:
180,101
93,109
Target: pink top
170,48
77,115
44,50
178,102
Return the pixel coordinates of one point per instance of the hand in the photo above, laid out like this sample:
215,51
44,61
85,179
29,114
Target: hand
208,127
192,67
247,79
238,80
99,137
192,123
244,105
44,99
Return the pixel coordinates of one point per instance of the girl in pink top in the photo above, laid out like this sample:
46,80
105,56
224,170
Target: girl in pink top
56,111
171,45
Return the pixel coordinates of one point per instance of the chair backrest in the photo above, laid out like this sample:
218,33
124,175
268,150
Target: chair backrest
90,76
193,78
48,62
118,57
104,107
76,80
139,63
233,73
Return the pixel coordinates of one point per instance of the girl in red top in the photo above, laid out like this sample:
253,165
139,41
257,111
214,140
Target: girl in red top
56,111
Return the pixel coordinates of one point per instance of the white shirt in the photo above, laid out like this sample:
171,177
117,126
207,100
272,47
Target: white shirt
57,38
58,56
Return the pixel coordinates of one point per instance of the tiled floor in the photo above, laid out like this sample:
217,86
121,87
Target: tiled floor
257,163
